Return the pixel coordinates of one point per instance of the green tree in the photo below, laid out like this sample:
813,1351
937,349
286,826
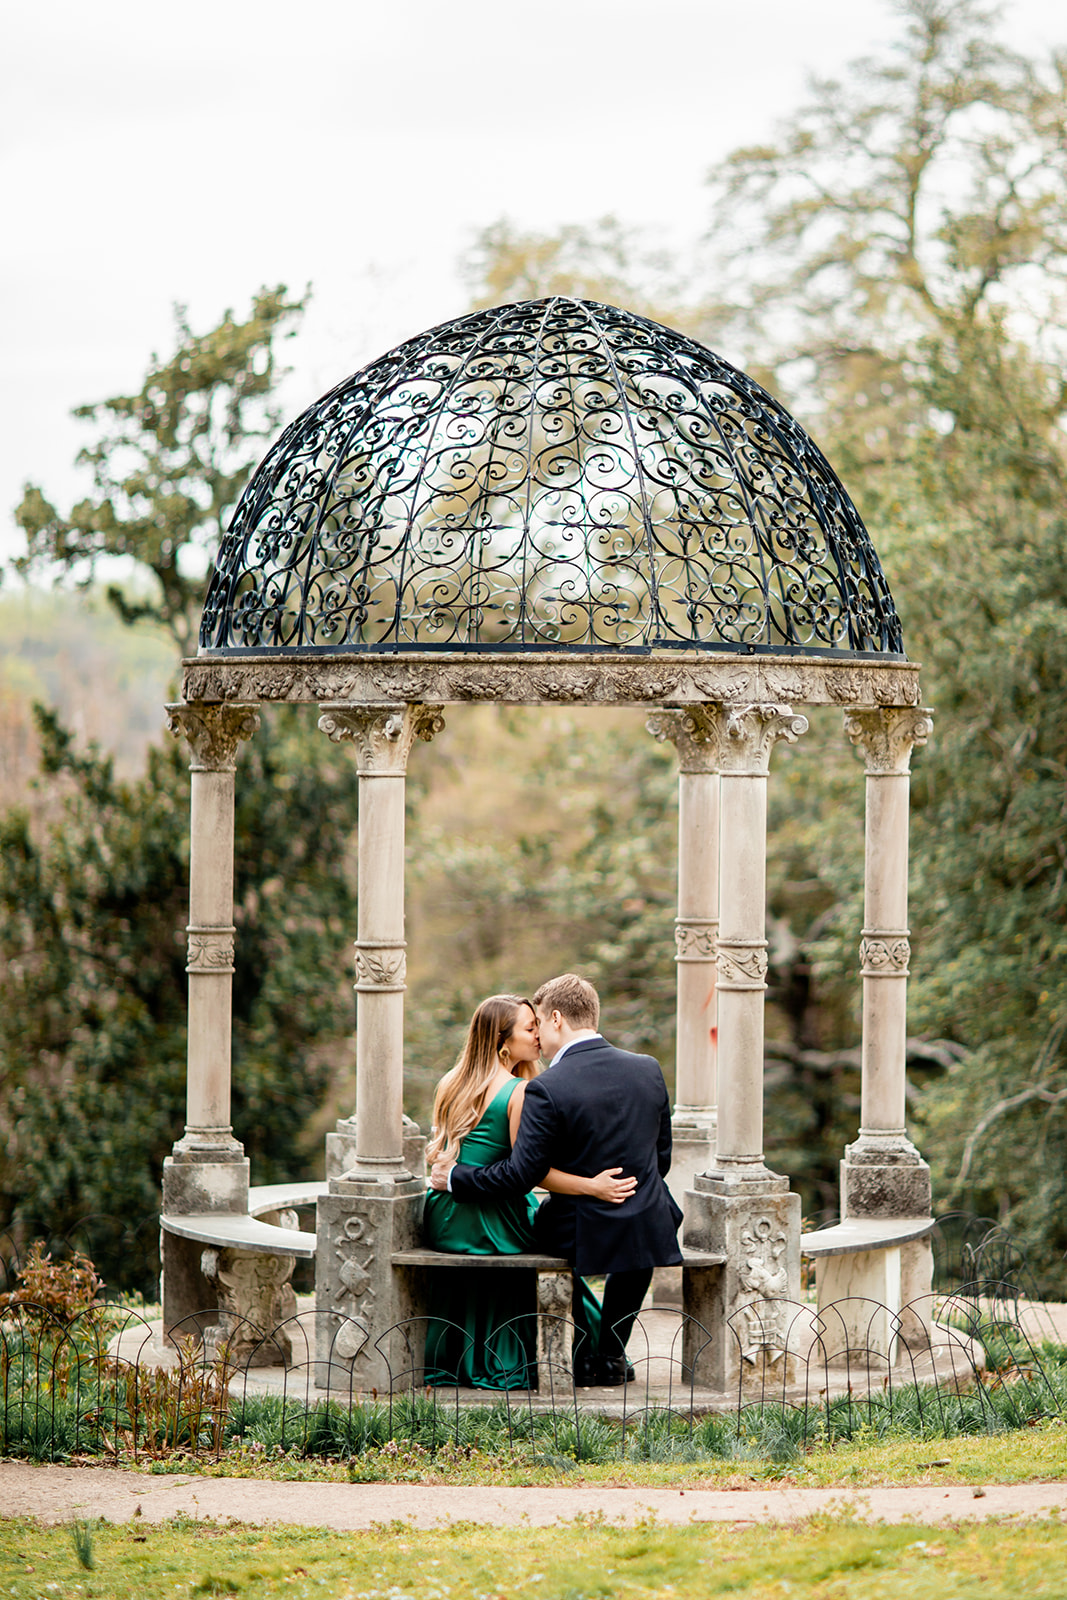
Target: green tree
93,986
900,281
168,467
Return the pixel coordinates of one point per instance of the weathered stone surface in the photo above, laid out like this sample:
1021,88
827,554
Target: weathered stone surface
256,1301
195,1182
895,1188
742,1310
356,1287
677,678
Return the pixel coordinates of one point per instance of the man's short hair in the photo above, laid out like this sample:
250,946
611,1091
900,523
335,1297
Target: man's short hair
576,1000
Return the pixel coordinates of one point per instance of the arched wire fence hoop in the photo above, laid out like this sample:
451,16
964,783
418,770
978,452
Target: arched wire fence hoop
100,1385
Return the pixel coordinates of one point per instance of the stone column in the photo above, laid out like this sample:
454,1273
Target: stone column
693,733
375,1202
883,1174
208,1171
738,1207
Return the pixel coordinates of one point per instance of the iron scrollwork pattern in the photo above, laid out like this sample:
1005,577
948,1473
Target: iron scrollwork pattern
547,475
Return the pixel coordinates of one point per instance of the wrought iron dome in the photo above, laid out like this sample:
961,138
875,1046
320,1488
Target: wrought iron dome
550,475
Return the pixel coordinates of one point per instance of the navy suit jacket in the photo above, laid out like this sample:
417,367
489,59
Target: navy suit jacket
598,1107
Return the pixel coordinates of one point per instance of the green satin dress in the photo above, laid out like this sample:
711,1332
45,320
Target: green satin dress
482,1328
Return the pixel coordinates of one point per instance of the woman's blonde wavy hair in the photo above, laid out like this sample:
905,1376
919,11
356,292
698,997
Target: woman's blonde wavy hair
460,1099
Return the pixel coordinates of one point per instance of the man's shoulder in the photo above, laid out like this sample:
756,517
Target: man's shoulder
604,1049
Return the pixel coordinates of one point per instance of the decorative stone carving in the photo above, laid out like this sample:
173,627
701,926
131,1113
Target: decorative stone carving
380,968
884,955
694,938
694,734
887,737
210,949
256,1300
682,677
763,1323
742,964
356,1291
213,733
748,734
382,735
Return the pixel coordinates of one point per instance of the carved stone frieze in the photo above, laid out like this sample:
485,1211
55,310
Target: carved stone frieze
694,733
213,733
382,735
884,955
380,968
210,949
742,964
553,677
888,736
694,938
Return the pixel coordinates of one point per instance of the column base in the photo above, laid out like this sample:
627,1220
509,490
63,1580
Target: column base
742,1321
358,1294
341,1149
884,1176
194,1182
693,1147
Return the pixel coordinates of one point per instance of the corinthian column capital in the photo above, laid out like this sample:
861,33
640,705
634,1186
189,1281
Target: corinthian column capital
746,735
383,735
213,733
694,734
888,735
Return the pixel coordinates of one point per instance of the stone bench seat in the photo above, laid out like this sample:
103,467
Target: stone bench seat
228,1231
863,1284
266,1197
554,1295
864,1233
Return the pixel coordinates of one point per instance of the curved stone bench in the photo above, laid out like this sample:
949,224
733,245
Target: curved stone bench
266,1197
554,1294
860,1260
227,1231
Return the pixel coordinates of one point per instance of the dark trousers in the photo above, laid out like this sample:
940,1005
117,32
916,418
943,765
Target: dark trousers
623,1294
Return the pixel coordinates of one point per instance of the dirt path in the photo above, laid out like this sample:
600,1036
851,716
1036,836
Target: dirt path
57,1494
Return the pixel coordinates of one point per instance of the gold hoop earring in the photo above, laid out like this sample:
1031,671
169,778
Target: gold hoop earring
505,1055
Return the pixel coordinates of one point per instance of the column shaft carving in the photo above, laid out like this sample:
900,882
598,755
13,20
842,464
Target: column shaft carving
744,737
213,734
692,731
883,1173
383,737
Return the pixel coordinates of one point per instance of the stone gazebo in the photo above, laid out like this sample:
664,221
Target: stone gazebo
556,503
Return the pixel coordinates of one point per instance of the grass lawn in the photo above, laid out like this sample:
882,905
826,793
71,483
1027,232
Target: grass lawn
1027,1455
814,1561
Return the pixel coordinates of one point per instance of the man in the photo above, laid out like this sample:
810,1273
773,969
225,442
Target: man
595,1107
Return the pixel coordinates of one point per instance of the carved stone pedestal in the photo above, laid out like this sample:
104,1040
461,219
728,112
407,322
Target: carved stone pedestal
358,1296
755,1223
256,1302
196,1182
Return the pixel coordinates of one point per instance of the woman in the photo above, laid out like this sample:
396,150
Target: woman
476,1118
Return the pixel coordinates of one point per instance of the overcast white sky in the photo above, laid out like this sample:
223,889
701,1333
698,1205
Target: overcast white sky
193,152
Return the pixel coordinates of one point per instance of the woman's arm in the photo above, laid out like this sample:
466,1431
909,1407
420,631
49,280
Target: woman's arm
605,1186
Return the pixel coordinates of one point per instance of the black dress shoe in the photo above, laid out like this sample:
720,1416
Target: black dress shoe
612,1374
585,1374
